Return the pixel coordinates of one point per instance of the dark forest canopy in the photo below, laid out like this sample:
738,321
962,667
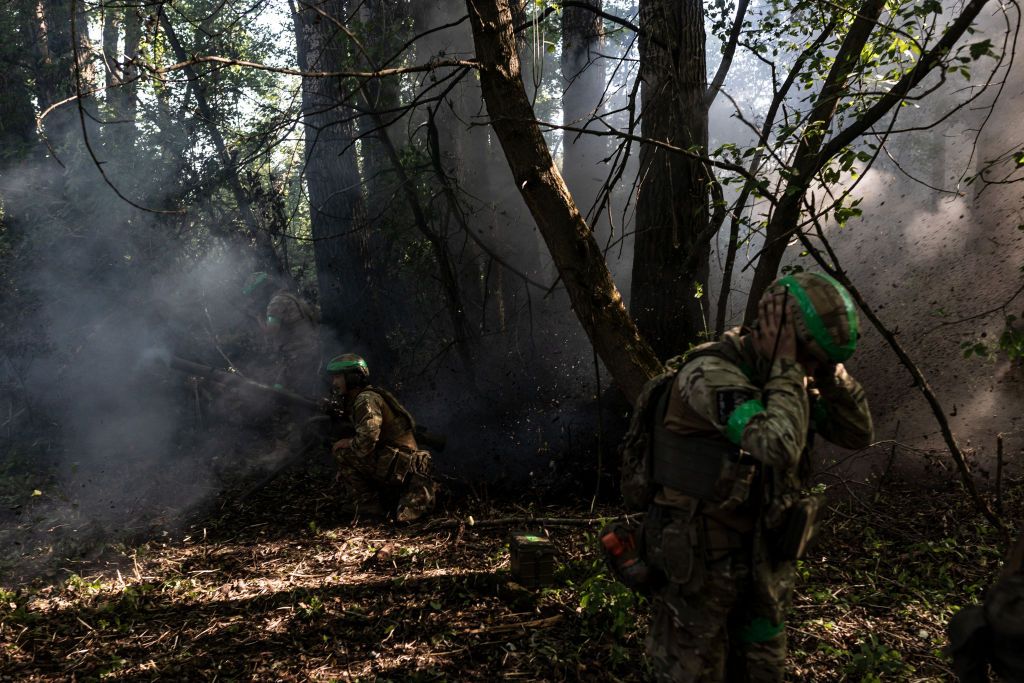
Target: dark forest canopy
443,180
347,146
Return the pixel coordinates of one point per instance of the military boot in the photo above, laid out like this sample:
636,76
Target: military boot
361,501
417,499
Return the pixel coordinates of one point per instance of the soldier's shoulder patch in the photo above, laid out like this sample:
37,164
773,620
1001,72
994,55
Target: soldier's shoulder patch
728,400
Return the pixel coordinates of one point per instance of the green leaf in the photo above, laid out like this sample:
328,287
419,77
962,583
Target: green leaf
981,49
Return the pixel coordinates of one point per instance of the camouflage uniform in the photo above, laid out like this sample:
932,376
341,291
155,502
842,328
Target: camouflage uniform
384,454
297,341
720,614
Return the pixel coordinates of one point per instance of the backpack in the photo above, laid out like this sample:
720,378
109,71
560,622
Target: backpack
307,310
637,482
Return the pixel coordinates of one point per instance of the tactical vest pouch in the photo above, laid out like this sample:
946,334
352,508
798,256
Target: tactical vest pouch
673,545
691,465
709,469
399,463
789,541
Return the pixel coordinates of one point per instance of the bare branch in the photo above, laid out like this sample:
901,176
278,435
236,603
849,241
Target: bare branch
727,55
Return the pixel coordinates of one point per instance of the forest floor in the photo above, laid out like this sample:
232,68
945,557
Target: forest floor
278,587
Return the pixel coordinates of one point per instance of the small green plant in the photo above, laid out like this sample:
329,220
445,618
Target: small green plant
311,608
1011,341
84,586
874,660
604,603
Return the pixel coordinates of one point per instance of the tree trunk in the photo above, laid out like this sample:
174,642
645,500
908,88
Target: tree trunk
17,118
55,57
807,159
260,237
125,98
332,177
595,299
672,206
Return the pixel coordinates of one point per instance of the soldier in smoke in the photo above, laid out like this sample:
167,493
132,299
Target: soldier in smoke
383,457
722,464
292,326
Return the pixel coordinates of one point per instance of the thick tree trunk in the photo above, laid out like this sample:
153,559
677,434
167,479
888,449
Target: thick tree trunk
672,206
55,62
332,177
17,118
577,256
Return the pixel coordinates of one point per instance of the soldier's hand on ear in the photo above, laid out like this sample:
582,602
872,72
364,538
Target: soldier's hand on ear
775,336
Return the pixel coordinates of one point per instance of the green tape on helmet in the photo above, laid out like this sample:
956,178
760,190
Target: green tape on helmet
255,281
337,366
816,326
740,417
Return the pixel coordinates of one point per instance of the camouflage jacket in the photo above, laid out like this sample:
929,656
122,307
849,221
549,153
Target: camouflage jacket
378,418
300,323
734,395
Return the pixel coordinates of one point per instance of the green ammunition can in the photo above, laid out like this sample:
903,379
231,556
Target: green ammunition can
532,558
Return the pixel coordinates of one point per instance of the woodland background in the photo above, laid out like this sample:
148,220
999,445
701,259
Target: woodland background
515,211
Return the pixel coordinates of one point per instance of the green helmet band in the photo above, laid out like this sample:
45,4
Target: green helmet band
816,326
338,366
256,280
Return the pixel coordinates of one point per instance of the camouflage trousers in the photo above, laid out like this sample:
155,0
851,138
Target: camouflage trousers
720,614
388,473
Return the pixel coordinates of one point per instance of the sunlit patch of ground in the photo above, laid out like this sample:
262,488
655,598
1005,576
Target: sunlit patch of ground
280,588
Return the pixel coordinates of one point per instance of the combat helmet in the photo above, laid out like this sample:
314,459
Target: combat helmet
255,282
348,363
826,321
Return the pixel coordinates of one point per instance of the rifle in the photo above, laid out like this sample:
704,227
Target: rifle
332,408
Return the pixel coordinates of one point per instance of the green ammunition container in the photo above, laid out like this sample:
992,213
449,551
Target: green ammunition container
533,559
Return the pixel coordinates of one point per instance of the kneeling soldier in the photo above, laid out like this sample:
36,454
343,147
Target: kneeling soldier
383,456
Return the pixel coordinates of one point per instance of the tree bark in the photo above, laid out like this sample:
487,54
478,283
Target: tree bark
673,203
55,71
17,118
806,160
332,176
595,299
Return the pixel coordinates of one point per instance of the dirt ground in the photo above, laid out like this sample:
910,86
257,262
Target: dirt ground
279,587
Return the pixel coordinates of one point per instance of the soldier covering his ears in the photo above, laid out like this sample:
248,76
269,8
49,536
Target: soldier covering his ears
718,451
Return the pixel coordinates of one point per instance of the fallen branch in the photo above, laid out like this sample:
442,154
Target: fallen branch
506,628
526,521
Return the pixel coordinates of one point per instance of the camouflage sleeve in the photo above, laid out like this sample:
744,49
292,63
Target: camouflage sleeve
771,424
367,416
777,434
841,413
